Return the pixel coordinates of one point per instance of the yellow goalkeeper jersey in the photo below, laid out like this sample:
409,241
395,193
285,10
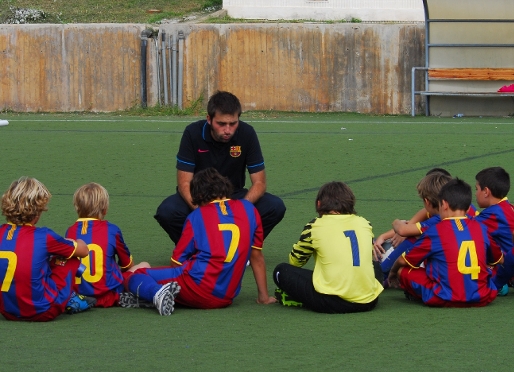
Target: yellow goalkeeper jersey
342,246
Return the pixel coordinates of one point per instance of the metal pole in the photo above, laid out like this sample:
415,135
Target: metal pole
145,34
174,67
158,69
180,66
170,56
164,75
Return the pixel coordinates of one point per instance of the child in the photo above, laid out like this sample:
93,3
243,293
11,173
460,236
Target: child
428,190
492,187
103,278
456,254
341,242
393,239
37,266
209,261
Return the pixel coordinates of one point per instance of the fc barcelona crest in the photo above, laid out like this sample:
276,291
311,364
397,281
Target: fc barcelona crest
235,151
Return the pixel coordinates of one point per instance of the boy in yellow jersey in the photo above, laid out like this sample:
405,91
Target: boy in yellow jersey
343,280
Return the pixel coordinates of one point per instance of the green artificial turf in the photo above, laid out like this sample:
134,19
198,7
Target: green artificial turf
381,158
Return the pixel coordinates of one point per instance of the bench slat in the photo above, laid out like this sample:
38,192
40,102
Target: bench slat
471,74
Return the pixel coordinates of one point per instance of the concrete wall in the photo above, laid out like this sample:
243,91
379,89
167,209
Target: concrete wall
82,67
324,10
304,67
299,67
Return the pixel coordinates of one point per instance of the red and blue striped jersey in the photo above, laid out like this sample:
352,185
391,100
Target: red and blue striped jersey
455,252
27,288
499,221
215,246
105,243
432,220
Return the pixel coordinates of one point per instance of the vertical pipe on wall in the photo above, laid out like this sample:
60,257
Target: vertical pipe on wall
164,67
145,34
174,67
158,69
170,56
180,66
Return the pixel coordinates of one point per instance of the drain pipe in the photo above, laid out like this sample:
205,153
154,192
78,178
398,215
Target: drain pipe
174,68
158,68
180,66
145,34
170,70
164,68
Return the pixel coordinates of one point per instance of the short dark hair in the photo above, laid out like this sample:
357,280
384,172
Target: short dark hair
223,103
208,185
457,194
335,196
496,179
438,170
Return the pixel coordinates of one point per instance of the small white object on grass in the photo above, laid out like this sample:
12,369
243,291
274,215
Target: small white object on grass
3,122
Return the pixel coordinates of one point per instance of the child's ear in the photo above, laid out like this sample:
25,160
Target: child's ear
443,205
486,191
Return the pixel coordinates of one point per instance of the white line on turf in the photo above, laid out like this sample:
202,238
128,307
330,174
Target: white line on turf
274,121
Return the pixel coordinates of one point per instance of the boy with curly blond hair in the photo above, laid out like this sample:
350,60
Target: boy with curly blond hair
37,266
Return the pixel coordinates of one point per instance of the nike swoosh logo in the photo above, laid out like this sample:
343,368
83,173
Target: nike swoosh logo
200,150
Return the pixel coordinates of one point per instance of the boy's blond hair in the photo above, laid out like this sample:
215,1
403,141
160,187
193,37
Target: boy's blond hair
91,200
430,186
25,200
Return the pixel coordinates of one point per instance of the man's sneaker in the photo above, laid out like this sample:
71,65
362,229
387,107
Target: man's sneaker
128,299
78,303
164,299
504,291
283,298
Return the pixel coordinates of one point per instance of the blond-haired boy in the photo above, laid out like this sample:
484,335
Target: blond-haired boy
37,269
103,277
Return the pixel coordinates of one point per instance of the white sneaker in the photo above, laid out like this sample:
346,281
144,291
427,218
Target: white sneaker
164,299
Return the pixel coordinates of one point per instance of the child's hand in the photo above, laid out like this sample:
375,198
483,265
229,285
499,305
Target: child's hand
378,250
397,240
266,301
393,280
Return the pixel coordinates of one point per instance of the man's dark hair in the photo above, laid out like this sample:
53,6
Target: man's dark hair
208,185
223,103
457,194
335,196
496,179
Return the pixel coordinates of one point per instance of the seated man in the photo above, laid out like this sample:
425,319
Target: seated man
231,147
209,261
456,255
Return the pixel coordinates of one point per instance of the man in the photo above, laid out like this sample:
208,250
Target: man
228,145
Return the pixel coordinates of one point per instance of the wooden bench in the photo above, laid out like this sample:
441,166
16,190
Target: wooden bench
484,74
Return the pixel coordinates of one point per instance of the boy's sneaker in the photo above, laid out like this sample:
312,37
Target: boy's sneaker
78,303
504,291
283,298
128,299
164,299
